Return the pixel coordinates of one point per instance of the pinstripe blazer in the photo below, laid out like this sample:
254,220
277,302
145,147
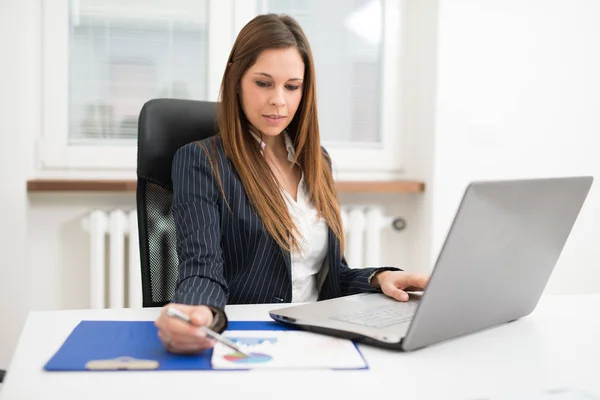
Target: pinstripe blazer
228,257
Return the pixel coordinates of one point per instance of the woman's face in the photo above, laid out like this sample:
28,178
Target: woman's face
271,90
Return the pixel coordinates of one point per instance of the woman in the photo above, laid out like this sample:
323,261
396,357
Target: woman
257,215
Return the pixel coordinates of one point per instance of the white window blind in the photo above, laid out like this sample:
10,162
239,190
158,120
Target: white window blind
123,53
346,40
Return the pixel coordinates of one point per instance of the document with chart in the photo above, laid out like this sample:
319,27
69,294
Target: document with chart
287,350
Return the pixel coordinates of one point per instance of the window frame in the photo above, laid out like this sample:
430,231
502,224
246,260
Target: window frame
57,158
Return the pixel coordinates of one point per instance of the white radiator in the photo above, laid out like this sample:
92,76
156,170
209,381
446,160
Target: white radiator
115,274
364,227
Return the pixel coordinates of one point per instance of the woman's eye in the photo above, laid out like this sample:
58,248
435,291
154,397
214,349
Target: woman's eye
293,87
262,83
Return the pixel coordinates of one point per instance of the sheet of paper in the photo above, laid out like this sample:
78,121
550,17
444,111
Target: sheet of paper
287,350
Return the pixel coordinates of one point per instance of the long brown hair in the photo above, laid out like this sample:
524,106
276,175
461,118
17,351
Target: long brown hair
273,31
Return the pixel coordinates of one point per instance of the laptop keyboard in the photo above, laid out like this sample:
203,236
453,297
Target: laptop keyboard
380,317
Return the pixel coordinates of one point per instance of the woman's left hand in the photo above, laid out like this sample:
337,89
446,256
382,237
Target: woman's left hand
395,284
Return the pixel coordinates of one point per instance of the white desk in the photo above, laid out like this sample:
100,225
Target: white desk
558,345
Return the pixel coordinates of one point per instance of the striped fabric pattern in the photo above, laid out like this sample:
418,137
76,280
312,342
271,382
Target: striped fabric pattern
226,256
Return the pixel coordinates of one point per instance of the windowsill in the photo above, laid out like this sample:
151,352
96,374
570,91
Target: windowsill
69,185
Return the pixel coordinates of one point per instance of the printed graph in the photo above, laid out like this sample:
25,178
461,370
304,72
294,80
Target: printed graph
250,343
253,359
253,341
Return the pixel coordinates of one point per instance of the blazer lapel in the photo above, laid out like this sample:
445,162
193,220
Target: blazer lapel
287,258
326,267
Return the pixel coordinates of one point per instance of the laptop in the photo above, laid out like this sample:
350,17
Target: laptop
497,257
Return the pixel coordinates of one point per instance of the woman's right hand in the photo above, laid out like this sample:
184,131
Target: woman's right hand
180,337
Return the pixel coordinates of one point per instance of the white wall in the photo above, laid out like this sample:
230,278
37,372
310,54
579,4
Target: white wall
60,263
18,122
517,96
418,102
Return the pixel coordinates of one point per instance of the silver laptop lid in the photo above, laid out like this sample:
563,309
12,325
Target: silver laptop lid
498,256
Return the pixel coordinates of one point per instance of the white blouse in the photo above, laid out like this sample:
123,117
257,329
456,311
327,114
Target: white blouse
308,260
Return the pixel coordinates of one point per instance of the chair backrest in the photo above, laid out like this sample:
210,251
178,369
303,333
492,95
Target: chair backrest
164,126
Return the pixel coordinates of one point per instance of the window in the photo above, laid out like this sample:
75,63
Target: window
345,38
103,59
123,53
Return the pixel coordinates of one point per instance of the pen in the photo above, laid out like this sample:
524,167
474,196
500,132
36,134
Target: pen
173,312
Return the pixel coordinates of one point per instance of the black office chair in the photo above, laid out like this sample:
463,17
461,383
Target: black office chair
2,373
164,126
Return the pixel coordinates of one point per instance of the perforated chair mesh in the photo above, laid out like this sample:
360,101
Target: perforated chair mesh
162,254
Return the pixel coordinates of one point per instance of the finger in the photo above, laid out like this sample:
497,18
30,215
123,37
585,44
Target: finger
187,347
395,293
190,350
182,331
416,281
164,338
199,315
185,308
184,344
202,316
177,328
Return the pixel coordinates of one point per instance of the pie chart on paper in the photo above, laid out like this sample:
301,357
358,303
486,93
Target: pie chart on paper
254,358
